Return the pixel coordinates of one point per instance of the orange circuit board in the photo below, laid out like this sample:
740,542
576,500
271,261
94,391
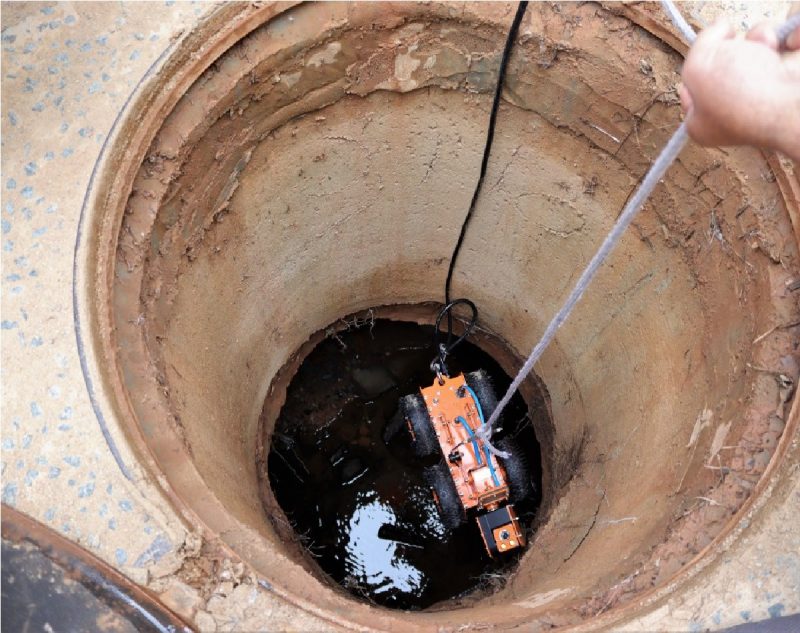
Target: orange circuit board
480,480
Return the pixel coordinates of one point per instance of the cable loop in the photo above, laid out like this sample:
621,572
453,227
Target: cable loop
439,364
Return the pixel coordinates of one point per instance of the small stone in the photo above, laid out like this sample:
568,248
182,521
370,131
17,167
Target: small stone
761,460
205,622
216,604
224,588
192,545
181,598
776,425
166,566
137,575
769,439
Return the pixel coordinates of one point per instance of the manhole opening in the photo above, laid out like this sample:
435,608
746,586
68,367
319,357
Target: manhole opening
352,493
223,227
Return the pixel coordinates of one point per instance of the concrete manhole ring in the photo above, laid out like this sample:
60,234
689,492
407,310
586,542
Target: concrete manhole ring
285,165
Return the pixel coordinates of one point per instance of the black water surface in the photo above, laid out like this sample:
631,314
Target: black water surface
358,503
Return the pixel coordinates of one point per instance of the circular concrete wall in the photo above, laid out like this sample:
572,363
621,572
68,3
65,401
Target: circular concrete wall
296,164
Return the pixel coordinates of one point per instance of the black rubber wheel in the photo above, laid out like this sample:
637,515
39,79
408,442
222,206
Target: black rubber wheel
423,437
394,426
481,384
451,511
520,486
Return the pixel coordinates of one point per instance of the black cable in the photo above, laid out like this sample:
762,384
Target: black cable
501,74
439,366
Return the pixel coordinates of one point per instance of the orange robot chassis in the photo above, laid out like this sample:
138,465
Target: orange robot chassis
468,478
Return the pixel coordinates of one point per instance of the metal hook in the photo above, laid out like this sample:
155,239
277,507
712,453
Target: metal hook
436,367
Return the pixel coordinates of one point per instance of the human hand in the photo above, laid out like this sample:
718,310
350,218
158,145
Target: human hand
743,91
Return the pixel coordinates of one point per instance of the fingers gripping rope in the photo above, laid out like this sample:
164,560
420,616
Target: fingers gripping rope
787,28
782,32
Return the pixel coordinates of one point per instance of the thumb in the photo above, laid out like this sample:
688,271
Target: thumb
793,41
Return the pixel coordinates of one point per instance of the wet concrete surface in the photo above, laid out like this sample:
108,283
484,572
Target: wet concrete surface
355,493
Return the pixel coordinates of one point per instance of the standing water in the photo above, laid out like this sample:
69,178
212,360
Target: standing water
354,492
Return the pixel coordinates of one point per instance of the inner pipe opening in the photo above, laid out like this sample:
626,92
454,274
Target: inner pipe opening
353,494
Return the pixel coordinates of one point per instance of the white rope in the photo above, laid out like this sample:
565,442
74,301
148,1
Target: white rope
782,32
656,173
679,21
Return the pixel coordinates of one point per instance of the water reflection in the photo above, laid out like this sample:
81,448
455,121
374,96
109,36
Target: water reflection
375,563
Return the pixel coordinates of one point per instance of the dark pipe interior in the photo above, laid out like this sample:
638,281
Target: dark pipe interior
357,502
